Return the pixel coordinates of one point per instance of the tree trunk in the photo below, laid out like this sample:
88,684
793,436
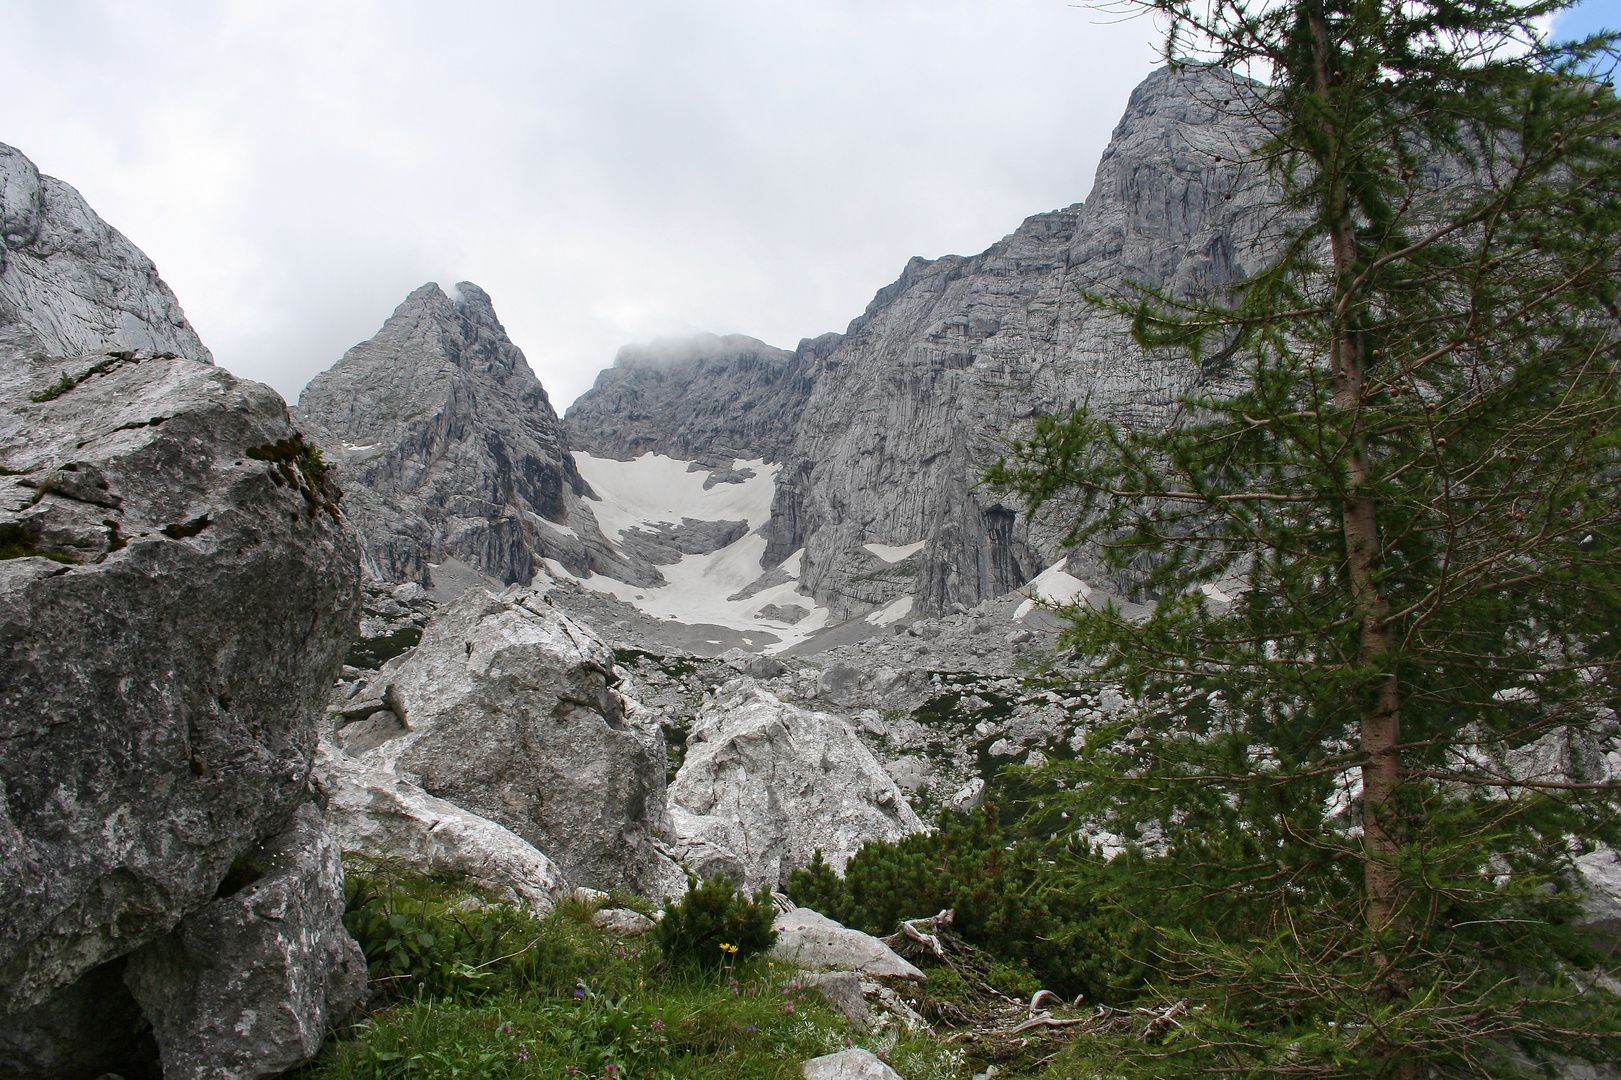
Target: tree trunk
1381,712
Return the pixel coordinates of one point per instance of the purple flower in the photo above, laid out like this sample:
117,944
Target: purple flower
579,991
753,1028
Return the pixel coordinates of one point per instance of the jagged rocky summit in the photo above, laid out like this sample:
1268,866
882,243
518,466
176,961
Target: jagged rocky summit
72,284
879,485
452,454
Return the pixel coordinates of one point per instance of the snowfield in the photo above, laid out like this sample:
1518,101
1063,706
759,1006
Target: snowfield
654,490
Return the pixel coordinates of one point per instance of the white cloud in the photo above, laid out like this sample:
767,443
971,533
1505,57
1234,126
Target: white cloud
609,172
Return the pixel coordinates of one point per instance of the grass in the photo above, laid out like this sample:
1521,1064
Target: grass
574,1003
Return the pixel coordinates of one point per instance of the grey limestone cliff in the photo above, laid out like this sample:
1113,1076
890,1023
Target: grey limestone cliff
883,432
449,450
948,361
703,397
70,283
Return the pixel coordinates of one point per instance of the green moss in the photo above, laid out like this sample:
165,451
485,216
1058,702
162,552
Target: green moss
66,382
16,542
61,386
300,465
245,869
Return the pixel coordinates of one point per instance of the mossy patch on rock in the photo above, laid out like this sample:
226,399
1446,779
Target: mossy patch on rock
16,542
300,465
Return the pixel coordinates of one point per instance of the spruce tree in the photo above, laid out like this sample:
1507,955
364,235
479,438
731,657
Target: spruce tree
1381,549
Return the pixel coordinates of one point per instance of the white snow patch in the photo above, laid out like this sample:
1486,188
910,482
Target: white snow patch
1215,594
893,554
653,489
792,563
1055,586
557,570
894,612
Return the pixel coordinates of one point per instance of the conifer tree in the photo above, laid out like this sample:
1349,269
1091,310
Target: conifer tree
1383,548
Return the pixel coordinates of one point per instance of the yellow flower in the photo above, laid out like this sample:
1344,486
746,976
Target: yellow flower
725,947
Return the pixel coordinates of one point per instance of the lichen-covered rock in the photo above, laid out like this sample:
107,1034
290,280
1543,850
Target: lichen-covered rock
161,678
842,992
622,922
70,283
373,812
250,985
510,709
772,783
700,844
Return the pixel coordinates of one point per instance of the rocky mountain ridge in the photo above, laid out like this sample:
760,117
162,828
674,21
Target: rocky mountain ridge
72,284
701,398
906,408
452,454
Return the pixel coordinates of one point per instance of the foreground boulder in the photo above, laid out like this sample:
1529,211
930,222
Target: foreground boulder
509,709
373,812
250,985
812,940
176,594
772,783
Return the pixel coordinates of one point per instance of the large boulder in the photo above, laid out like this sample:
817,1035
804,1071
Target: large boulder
250,985
177,591
373,812
1598,876
509,708
772,783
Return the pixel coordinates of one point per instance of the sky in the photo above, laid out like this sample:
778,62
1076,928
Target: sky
610,172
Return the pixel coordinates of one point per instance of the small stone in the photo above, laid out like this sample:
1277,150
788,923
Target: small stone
852,1064
622,922
842,992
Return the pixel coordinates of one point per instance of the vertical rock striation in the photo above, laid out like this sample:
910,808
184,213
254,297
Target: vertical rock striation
916,398
70,283
450,450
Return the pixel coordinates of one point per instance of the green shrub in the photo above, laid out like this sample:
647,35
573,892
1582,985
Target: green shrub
1049,908
422,936
715,924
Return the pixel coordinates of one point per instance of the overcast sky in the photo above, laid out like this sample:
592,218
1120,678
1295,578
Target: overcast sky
609,171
